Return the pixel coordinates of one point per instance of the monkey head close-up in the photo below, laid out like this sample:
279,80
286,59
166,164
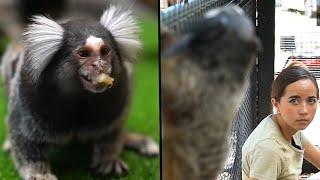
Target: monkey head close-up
204,75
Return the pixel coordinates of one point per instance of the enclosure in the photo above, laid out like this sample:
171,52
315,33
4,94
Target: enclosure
255,105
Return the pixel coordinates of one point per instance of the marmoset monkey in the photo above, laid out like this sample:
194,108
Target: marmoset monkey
72,81
203,78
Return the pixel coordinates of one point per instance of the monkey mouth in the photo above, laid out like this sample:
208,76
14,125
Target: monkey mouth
98,83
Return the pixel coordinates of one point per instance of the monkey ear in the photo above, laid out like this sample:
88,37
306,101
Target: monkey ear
124,28
42,40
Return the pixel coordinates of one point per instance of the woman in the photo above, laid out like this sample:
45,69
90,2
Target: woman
276,148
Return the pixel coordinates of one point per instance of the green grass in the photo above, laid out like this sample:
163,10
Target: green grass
72,162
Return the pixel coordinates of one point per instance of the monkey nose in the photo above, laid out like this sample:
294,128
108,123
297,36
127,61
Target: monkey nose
95,64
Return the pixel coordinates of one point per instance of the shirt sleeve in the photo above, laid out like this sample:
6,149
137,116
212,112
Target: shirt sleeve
303,138
265,162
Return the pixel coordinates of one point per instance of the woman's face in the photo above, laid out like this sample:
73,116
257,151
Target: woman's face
298,105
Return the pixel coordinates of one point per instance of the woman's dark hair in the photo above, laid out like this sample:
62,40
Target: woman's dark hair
294,72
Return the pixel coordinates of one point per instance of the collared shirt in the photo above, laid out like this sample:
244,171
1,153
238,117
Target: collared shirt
266,154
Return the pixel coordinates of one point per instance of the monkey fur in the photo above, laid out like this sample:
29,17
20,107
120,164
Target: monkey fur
204,75
54,97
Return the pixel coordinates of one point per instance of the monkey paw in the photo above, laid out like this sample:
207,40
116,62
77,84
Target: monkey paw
116,167
47,176
143,144
6,145
148,147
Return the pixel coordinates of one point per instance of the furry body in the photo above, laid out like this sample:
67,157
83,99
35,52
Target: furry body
204,75
52,98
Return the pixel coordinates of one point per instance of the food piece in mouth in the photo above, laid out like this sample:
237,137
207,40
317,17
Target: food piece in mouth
103,79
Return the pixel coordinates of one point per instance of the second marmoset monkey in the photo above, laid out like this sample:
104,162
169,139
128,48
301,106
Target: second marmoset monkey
72,81
203,78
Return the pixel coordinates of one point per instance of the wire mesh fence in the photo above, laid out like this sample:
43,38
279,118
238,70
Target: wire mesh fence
177,18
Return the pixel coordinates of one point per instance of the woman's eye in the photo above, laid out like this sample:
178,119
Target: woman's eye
294,101
105,51
83,53
312,101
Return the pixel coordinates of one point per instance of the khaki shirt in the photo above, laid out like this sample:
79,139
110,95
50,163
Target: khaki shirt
266,154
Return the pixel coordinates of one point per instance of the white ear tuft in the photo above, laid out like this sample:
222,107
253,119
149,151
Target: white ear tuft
42,39
124,28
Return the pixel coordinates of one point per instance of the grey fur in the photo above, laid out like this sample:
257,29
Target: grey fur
44,38
33,132
204,75
9,63
125,30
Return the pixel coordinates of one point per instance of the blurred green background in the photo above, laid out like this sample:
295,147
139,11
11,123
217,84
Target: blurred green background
72,162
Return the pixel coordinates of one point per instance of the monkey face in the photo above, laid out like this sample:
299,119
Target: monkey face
95,65
80,54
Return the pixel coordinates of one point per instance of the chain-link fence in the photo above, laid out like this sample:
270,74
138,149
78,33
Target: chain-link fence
177,18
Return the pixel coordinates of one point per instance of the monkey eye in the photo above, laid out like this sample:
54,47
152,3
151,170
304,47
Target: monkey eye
83,53
105,51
